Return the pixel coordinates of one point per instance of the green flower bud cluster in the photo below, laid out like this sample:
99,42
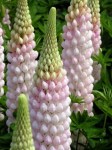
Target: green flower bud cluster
76,7
23,24
95,11
22,135
50,62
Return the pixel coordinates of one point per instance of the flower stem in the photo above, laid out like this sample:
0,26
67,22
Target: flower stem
105,119
77,139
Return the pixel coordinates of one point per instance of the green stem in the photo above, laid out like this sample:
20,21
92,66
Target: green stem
105,122
77,139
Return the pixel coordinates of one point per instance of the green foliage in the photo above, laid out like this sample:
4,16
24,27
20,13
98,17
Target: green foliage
39,12
104,100
83,121
92,130
75,99
106,22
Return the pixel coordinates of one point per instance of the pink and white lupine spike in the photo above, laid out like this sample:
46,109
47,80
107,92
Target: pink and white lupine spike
96,38
21,57
2,65
6,19
77,51
96,71
49,99
2,116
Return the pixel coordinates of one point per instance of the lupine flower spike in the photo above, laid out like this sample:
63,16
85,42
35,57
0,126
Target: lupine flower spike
1,114
77,51
96,38
6,19
22,135
2,65
21,57
49,100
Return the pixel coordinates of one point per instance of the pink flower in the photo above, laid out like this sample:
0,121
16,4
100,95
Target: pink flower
49,99
2,65
96,71
77,51
96,38
21,57
6,19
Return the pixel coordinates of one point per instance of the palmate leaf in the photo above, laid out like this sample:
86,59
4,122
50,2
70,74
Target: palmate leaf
87,126
83,121
108,93
105,61
99,57
103,100
75,99
99,95
106,21
100,144
94,136
94,133
104,106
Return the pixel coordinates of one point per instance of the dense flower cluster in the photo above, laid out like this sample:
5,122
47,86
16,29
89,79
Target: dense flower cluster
96,38
95,11
49,99
21,57
6,19
77,51
22,135
96,71
2,65
1,114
